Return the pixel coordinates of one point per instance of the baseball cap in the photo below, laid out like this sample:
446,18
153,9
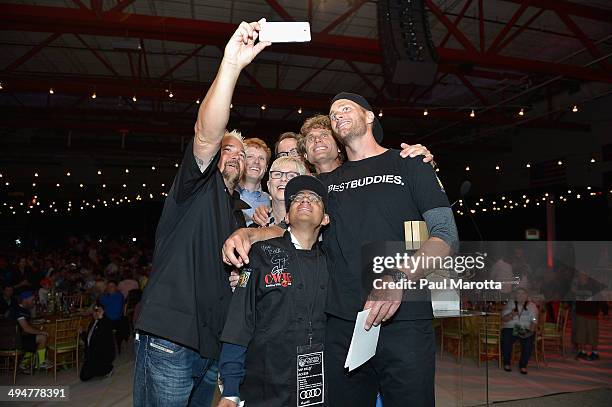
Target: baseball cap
377,129
304,183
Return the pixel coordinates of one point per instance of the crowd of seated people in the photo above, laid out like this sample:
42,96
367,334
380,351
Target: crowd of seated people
106,276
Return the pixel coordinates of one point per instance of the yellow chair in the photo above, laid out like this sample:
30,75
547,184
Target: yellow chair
74,301
9,347
489,337
555,331
451,329
65,343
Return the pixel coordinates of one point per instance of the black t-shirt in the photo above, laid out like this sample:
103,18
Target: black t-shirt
188,293
18,312
369,200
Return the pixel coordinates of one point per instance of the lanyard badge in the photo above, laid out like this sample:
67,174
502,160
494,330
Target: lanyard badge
310,375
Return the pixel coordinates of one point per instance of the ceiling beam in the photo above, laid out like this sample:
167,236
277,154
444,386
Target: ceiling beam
33,51
280,10
356,49
243,96
572,9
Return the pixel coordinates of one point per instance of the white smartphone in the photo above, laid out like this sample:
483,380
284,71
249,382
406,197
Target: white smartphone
284,32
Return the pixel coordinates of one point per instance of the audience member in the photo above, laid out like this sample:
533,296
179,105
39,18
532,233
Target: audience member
99,347
519,317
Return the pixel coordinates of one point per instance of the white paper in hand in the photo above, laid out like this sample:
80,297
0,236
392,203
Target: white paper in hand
363,344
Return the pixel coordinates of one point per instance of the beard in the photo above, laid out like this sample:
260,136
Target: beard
357,131
231,175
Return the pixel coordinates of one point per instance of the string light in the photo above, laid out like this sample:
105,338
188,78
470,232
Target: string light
263,107
127,171
467,167
425,112
472,114
231,105
380,114
51,91
592,160
93,95
36,174
497,168
197,101
528,165
575,108
99,172
176,165
521,112
170,95
68,174
300,110
134,98
559,162
153,168
1,86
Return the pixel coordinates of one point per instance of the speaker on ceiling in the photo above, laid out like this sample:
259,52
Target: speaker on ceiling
409,56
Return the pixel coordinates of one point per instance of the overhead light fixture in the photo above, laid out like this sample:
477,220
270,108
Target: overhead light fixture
521,112
472,114
425,112
575,108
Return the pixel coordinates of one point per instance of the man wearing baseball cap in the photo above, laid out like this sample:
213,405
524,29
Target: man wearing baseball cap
273,337
33,339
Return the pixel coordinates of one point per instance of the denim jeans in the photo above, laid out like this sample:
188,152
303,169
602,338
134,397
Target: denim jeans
170,375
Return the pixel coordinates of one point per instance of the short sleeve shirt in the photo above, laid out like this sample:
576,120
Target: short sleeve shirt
369,200
187,295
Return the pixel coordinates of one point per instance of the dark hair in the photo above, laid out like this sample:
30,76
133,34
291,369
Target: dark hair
112,281
286,135
99,305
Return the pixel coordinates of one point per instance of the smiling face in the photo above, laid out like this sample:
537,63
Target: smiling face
307,208
231,162
276,186
256,164
320,146
349,121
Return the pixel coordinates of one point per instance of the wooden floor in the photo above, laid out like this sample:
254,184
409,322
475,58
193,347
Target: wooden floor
456,384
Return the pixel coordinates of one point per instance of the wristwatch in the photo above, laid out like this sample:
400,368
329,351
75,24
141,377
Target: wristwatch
396,275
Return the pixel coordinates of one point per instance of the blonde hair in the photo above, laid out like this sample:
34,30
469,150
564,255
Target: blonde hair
259,143
236,135
296,162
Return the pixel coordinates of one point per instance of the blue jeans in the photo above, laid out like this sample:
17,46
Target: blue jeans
170,375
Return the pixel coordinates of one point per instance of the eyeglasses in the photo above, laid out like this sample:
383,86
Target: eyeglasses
310,139
291,153
279,174
311,197
333,116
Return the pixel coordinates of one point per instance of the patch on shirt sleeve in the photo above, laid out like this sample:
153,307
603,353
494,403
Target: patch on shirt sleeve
244,278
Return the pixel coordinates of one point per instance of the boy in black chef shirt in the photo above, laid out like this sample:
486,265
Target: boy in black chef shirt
276,316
